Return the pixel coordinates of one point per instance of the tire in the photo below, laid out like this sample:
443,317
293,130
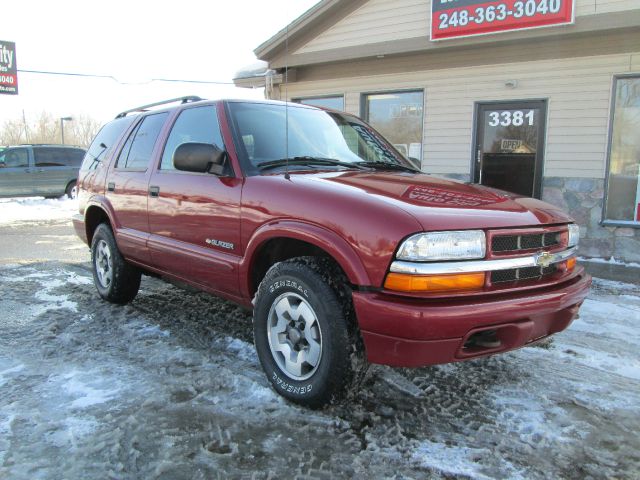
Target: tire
323,346
116,280
72,190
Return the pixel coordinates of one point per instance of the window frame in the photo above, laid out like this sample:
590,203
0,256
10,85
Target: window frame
364,113
612,111
301,100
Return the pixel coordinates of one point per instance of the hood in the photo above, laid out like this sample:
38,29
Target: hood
440,204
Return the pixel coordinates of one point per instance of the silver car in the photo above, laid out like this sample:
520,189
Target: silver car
39,170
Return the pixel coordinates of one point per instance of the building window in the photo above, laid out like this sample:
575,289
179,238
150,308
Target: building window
335,102
623,186
399,117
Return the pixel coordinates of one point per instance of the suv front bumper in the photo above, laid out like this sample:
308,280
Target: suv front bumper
407,332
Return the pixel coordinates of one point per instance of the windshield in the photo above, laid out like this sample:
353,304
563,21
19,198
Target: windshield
312,134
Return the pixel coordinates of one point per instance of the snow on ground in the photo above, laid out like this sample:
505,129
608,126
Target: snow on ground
30,209
170,387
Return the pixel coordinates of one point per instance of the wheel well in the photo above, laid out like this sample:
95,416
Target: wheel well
280,249
94,217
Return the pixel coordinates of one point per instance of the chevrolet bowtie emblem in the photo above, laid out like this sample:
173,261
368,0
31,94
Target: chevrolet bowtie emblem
544,259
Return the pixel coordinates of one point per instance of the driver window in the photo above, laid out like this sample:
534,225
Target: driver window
194,125
14,158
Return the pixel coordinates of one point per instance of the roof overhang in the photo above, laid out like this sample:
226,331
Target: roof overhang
307,26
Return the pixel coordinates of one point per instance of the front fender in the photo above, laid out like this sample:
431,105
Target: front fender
335,246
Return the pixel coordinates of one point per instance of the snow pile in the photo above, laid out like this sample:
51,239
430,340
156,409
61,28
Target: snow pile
36,209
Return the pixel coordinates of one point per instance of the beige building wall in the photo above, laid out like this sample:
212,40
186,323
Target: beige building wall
578,91
388,20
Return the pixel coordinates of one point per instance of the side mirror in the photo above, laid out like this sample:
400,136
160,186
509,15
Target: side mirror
199,158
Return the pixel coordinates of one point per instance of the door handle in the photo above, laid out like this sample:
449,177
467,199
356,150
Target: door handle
111,187
154,192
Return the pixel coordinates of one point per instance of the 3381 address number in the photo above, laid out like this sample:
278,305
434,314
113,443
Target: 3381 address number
492,13
507,118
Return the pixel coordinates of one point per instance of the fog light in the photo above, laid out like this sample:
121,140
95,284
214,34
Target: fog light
402,282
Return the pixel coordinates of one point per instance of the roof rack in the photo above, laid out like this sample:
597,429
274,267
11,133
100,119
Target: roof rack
143,108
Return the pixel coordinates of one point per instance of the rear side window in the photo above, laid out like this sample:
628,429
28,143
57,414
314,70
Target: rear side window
57,157
194,125
105,141
14,158
75,157
138,148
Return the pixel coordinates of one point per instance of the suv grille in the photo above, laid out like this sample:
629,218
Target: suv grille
513,243
527,273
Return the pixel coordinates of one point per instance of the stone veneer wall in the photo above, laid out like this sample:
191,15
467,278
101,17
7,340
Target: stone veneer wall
583,199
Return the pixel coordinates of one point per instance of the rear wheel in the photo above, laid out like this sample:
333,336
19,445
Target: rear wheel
305,334
72,190
115,279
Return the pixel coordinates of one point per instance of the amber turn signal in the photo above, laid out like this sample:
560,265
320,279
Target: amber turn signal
571,264
403,282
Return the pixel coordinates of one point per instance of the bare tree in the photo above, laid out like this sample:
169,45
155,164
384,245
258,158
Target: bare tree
12,132
82,131
46,129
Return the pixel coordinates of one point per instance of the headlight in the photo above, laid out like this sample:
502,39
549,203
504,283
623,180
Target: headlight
574,235
431,246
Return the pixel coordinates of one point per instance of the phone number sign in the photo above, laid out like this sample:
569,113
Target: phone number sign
463,18
8,69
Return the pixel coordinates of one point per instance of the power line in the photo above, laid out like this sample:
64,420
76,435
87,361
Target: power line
90,75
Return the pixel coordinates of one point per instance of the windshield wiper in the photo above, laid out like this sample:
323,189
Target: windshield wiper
379,165
308,160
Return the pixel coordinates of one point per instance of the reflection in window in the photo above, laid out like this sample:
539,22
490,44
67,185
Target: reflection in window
105,141
194,125
335,102
399,117
623,190
269,132
137,151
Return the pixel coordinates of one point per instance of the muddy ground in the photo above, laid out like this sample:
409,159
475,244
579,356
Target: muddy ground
169,387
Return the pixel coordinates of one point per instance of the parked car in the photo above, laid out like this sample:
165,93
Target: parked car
346,252
39,170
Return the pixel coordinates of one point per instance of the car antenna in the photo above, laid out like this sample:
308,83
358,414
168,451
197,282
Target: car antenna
286,103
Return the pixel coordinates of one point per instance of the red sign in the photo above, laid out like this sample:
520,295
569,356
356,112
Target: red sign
463,18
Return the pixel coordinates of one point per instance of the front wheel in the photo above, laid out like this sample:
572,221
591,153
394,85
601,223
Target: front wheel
305,337
116,280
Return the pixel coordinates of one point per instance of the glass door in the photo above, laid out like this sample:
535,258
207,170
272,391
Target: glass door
510,146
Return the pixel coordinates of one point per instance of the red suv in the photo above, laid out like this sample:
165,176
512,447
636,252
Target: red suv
344,250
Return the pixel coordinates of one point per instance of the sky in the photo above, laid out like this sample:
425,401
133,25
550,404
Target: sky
134,41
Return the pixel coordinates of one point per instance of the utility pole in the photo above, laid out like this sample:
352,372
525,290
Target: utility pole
26,129
62,120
